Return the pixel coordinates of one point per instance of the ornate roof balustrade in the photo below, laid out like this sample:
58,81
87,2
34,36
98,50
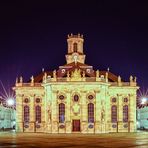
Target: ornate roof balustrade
92,79
65,79
28,84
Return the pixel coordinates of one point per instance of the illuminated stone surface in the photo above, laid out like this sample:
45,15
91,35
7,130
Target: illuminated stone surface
142,117
76,78
114,140
7,117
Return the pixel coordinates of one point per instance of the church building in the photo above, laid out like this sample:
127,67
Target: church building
75,98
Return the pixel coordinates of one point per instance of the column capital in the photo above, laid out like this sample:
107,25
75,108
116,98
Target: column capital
97,90
83,91
68,91
19,95
55,91
131,95
119,95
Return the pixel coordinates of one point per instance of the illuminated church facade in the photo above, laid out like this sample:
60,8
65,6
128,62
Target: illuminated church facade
75,98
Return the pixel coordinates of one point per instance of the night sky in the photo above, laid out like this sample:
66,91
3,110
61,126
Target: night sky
33,36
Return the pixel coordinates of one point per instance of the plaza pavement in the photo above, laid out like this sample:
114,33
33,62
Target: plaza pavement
41,140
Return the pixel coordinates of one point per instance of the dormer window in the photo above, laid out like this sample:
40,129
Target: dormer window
75,47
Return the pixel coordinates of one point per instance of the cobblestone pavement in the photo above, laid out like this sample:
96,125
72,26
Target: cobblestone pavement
113,140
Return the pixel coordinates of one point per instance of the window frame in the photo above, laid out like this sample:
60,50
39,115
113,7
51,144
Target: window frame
125,113
90,113
26,114
61,113
114,114
38,113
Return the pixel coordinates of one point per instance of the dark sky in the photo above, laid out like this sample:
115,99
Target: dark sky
33,36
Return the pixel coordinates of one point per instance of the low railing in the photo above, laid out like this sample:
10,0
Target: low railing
86,79
29,84
123,84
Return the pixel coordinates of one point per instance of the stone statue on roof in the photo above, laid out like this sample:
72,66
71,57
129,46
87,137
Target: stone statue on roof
68,74
131,78
97,73
21,79
76,73
83,74
32,79
54,74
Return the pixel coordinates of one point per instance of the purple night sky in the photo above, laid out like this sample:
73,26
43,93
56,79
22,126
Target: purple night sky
33,36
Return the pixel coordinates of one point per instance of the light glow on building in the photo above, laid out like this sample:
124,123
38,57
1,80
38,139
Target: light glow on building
76,98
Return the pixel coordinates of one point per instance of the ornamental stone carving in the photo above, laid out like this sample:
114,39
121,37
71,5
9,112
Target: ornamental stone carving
76,75
76,109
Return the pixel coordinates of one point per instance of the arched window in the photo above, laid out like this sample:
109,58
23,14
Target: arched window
125,113
91,113
114,114
38,114
26,113
75,47
61,112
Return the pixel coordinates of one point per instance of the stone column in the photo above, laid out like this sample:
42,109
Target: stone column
19,113
120,113
68,112
54,114
32,113
132,113
45,108
84,116
108,112
97,110
48,108
103,109
43,113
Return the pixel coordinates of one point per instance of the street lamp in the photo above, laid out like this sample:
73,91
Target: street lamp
10,102
144,100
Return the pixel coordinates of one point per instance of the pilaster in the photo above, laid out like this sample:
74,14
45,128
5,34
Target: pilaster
19,113
32,113
108,112
132,112
84,115
98,110
54,112
68,112
120,113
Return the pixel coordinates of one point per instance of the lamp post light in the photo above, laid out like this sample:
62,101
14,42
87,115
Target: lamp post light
144,100
10,102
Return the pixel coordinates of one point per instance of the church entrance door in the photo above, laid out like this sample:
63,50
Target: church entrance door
76,125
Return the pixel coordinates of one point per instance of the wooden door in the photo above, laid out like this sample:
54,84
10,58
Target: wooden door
76,125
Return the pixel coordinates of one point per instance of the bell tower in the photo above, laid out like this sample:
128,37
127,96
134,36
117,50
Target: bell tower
75,49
